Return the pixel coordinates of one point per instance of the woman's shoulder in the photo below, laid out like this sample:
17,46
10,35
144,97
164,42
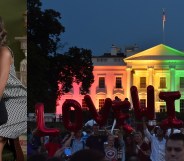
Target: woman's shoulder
5,50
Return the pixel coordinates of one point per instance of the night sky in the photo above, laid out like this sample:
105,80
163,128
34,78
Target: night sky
97,24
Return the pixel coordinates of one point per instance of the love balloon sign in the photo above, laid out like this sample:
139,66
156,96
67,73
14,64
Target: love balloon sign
119,114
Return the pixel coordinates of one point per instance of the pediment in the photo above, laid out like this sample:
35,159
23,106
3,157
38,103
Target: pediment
159,52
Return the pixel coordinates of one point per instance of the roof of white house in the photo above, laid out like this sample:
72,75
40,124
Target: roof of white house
159,52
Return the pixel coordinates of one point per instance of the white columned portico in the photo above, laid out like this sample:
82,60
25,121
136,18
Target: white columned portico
172,77
150,75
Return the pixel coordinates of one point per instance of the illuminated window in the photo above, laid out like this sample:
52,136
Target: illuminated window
118,82
181,105
162,82
84,105
181,82
163,108
101,103
143,102
142,82
101,82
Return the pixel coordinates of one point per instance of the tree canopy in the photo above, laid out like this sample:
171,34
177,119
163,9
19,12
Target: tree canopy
47,67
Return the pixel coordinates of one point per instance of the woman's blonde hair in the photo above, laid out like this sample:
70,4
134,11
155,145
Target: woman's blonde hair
3,33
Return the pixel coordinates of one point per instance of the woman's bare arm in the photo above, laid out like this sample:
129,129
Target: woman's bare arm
5,62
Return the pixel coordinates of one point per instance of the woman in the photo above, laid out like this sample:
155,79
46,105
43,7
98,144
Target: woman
111,153
142,149
12,92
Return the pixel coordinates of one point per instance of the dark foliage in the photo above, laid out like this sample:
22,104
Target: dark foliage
46,67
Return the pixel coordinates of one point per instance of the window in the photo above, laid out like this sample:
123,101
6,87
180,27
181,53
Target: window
163,108
143,102
84,105
162,82
101,59
181,82
118,82
101,103
101,82
142,82
117,59
181,105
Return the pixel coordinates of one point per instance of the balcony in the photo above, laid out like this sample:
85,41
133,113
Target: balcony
101,90
118,90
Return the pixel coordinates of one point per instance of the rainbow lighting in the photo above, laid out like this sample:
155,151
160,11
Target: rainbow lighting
160,66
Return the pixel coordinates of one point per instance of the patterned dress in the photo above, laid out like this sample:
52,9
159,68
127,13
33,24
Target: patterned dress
15,96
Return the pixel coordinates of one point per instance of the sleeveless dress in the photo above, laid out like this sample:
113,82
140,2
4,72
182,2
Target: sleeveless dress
15,97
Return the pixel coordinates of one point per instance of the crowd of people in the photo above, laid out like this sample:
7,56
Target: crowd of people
94,144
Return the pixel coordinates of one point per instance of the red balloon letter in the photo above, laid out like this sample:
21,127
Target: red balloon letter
66,108
41,129
169,98
100,119
148,112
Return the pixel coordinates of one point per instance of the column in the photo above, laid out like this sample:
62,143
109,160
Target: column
129,81
150,75
172,77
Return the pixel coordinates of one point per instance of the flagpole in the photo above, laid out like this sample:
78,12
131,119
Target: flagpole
163,25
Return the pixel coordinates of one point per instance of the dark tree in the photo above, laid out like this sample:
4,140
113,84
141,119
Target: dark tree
74,66
45,66
44,29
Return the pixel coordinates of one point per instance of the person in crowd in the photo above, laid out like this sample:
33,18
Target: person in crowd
171,131
61,155
142,149
129,146
65,137
182,130
157,143
115,145
88,132
30,150
95,140
13,95
175,147
87,155
116,99
75,142
111,153
34,144
52,146
90,123
121,145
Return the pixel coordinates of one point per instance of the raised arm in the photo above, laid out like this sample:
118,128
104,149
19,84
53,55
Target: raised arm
146,131
68,141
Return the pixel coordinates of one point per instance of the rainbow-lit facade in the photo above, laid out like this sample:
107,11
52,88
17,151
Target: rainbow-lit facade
160,66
